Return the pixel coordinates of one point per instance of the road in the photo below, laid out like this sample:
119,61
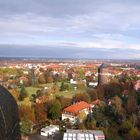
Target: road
58,136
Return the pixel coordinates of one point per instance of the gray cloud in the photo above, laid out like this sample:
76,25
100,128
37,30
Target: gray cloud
66,52
93,24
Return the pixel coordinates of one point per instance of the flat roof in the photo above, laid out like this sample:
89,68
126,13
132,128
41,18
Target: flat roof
83,134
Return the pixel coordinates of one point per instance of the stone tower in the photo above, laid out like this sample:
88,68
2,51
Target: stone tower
103,77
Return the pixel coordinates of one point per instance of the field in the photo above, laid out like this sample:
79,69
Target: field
68,93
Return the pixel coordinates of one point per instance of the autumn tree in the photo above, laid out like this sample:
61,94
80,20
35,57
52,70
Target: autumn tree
26,110
15,94
81,97
134,134
41,79
92,93
117,102
40,112
65,102
81,84
82,115
131,104
55,88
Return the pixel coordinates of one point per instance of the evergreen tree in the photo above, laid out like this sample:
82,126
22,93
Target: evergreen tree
23,93
55,110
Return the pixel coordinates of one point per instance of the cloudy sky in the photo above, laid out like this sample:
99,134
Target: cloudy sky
70,28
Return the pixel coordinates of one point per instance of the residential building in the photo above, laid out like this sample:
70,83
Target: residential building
73,112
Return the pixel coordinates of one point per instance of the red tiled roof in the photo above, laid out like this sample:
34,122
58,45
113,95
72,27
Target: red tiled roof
75,108
96,102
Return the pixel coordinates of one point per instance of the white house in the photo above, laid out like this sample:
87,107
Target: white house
72,112
49,130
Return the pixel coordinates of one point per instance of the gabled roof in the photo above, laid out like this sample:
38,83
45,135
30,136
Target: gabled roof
75,108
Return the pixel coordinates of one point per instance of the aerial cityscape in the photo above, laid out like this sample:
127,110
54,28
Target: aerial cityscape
69,70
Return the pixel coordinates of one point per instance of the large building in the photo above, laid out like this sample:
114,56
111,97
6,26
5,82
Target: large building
103,75
84,135
9,119
73,112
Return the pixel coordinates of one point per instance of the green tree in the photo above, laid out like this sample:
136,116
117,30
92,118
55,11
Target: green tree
25,127
64,87
23,93
55,110
134,133
126,126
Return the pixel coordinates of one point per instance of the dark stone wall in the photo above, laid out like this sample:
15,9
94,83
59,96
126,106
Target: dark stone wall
9,118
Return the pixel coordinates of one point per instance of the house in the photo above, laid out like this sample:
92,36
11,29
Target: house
84,135
73,82
49,130
73,112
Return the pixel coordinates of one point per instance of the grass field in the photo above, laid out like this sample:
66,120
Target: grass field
68,94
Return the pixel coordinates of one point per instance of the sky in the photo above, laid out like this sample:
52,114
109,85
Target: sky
98,29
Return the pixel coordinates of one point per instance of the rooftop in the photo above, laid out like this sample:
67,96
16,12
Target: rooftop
83,134
75,108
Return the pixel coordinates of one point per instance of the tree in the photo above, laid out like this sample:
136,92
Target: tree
23,93
112,89
25,127
65,102
117,101
82,116
40,113
131,104
41,79
49,79
55,110
81,97
126,126
55,88
15,94
81,84
134,133
92,93
89,120
26,110
64,87
110,110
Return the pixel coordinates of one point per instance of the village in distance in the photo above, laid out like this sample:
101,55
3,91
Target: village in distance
67,99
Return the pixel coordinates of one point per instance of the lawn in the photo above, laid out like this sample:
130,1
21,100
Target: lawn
31,90
68,94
